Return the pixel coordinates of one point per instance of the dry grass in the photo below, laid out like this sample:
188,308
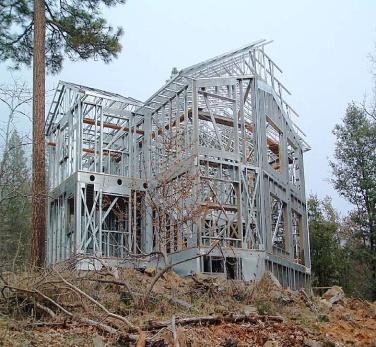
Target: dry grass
55,307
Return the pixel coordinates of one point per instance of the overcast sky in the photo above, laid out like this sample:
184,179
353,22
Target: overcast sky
323,48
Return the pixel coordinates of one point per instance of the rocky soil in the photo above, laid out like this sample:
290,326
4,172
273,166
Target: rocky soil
108,308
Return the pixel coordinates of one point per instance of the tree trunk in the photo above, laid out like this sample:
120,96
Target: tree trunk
38,174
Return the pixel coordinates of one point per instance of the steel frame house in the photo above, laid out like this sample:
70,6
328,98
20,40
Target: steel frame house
226,125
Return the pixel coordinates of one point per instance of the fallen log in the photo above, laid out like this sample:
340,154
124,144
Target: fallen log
41,324
154,325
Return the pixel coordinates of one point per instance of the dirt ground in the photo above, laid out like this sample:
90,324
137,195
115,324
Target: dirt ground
352,322
281,317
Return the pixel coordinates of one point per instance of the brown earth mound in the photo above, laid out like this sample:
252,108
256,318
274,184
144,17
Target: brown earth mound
61,307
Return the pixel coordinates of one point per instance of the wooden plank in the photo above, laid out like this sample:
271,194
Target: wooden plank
90,150
111,126
215,206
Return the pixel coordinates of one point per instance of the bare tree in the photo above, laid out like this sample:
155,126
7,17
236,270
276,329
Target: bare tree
14,176
16,99
174,202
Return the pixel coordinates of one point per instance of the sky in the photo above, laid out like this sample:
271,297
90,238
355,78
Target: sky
323,48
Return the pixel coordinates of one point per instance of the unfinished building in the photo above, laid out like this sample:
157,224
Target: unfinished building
208,172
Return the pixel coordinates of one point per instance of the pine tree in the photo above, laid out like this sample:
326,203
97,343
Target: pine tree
325,247
15,208
338,253
73,28
44,32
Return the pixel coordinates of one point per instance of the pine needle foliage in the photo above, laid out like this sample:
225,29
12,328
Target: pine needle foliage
74,28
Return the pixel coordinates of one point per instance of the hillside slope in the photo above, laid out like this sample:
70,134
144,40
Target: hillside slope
108,308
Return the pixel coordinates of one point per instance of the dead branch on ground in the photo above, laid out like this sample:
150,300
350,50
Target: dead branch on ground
109,314
154,325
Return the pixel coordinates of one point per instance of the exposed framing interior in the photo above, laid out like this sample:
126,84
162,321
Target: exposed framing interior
218,140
